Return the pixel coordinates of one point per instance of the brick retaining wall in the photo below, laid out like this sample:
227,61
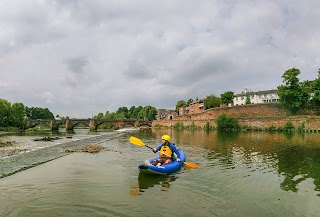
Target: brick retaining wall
254,115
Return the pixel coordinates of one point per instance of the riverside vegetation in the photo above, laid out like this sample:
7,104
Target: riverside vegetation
293,96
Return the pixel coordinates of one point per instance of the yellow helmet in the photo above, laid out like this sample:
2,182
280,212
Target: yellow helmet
166,137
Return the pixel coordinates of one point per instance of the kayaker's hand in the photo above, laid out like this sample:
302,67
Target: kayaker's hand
178,159
154,150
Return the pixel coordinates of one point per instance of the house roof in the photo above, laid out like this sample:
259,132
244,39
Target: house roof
259,92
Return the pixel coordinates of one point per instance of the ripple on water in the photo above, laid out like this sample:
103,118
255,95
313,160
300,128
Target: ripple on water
235,178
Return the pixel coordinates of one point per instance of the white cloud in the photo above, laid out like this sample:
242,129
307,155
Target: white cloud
48,97
80,58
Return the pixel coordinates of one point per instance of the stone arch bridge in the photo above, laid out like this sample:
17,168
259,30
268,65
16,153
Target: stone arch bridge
91,123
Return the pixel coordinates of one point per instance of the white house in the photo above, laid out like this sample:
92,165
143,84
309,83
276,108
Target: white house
266,96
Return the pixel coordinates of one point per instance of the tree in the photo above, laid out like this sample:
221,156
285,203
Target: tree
47,114
180,103
141,114
120,116
38,113
131,112
227,97
315,89
189,101
109,116
248,99
211,101
99,116
17,114
11,114
5,107
292,95
122,110
151,112
147,112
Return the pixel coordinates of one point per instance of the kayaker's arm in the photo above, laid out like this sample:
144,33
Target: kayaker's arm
157,149
175,150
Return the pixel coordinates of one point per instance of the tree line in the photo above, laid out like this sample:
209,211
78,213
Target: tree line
12,114
145,113
293,94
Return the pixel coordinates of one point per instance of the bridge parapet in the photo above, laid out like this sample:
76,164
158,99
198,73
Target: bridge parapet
91,123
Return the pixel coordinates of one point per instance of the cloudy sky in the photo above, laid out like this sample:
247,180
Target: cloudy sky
82,57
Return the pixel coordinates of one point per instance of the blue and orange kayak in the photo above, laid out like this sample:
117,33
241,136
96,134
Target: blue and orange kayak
172,167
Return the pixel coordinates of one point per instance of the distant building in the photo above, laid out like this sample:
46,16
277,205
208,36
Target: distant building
266,96
193,108
164,114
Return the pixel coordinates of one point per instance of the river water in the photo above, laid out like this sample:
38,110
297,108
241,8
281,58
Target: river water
240,174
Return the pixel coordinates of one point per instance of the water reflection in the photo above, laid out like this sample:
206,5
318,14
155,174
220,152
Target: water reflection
297,164
240,174
292,156
146,181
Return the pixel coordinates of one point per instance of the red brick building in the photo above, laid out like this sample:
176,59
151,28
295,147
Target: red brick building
164,114
193,108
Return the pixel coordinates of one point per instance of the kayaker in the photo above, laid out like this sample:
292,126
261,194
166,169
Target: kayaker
166,151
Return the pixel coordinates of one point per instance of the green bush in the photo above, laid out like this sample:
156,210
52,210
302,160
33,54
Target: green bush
289,126
227,123
246,127
106,126
178,125
272,128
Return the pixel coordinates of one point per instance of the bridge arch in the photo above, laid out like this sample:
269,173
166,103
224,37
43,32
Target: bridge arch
93,124
78,123
115,126
39,122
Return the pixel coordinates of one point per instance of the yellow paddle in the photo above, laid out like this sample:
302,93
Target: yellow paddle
138,142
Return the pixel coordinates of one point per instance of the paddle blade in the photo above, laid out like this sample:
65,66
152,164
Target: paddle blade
136,141
191,165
